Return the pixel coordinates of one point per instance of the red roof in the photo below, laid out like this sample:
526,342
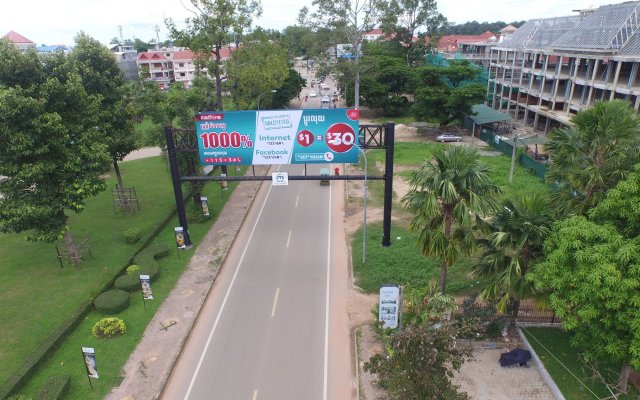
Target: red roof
451,42
152,56
375,31
183,55
17,38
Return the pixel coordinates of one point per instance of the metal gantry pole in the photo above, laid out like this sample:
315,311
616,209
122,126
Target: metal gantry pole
177,188
364,225
388,183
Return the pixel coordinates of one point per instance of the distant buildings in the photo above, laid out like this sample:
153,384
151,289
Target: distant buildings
20,41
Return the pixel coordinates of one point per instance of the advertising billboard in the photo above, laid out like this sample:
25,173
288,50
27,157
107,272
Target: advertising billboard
309,136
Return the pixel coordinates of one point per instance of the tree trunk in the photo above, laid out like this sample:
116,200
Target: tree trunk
72,249
514,315
124,203
443,264
443,276
623,379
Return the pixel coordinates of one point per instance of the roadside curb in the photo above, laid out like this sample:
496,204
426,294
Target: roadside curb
555,391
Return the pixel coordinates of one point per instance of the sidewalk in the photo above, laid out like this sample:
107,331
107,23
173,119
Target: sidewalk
148,368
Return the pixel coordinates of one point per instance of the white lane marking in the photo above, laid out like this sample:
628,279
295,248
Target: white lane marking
326,304
226,297
289,239
255,394
297,198
275,302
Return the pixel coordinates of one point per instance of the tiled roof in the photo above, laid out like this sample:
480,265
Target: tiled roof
375,31
152,56
17,38
508,29
183,55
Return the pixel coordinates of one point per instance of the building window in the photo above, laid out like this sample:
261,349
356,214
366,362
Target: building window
181,65
182,74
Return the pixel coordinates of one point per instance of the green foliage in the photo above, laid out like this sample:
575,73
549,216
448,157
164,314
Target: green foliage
19,397
132,235
131,281
112,301
477,320
53,153
421,364
593,155
109,327
477,28
291,88
593,274
445,197
132,268
426,305
55,388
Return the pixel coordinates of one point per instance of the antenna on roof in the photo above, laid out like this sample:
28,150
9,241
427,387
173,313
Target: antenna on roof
120,32
156,28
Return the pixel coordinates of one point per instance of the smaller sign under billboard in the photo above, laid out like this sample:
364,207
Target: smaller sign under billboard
389,307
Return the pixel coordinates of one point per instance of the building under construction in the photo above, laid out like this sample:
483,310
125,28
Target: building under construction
552,68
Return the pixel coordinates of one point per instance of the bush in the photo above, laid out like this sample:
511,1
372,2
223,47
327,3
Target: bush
55,388
131,282
132,235
19,397
112,301
132,268
108,328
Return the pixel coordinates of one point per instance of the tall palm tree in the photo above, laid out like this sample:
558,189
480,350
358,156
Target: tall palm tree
592,155
513,240
445,197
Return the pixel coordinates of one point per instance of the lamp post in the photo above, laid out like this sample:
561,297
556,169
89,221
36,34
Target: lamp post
364,228
263,93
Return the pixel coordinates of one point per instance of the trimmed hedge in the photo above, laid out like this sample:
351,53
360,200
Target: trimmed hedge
132,235
112,301
109,327
147,260
55,388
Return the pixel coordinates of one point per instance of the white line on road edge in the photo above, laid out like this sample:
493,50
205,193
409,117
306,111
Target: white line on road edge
226,297
255,394
275,302
289,239
326,304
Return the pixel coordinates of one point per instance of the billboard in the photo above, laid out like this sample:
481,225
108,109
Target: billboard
389,307
309,136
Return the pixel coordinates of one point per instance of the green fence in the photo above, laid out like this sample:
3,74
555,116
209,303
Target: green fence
529,163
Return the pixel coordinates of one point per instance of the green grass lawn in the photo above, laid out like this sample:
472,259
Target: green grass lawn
563,363
38,295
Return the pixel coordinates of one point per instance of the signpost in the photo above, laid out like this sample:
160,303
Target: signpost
280,178
389,307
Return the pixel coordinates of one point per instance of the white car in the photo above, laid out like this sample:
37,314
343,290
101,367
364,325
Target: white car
449,137
313,93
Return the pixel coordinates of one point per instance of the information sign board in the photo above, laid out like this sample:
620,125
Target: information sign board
309,136
389,306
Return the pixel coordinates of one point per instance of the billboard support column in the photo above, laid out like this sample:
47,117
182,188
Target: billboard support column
177,188
389,139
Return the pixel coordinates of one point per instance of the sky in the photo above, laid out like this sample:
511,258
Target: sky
58,21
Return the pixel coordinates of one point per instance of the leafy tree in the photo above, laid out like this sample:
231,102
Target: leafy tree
53,155
477,28
102,78
208,31
290,89
441,96
446,196
401,20
387,79
353,18
420,364
256,68
512,240
593,155
593,273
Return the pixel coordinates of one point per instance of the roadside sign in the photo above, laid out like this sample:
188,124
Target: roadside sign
389,306
280,178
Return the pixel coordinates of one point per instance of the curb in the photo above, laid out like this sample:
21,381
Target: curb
557,394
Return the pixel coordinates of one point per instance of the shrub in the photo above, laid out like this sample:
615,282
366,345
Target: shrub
132,268
19,397
108,328
112,301
132,235
55,388
131,282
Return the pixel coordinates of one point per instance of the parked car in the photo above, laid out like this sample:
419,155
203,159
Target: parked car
449,137
313,93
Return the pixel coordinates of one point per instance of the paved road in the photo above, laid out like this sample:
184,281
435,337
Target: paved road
265,329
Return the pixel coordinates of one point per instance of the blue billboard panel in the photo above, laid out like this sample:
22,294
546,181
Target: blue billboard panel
310,136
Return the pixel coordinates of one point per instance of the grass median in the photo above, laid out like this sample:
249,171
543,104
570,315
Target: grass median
38,295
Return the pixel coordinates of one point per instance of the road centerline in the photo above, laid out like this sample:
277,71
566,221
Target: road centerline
297,198
255,394
275,302
289,238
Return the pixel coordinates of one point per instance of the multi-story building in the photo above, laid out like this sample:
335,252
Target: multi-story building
20,41
157,66
552,68
126,57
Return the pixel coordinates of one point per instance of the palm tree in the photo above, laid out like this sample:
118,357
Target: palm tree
445,197
593,155
514,238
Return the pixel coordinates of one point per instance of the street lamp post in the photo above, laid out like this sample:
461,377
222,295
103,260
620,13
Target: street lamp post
364,228
263,93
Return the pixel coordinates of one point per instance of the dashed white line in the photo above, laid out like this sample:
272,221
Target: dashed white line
275,302
297,198
289,239
255,394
